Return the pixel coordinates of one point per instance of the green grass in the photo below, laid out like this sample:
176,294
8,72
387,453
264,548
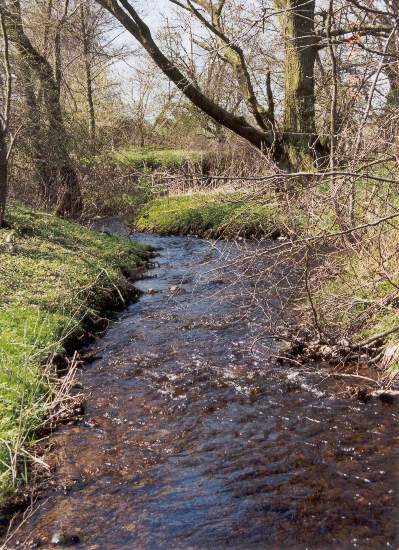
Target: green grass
149,157
55,283
213,214
155,157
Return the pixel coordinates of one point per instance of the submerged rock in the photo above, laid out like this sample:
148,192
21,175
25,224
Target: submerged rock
58,539
35,543
387,396
71,538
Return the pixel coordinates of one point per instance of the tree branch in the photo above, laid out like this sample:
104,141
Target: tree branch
8,73
235,56
373,30
129,18
366,8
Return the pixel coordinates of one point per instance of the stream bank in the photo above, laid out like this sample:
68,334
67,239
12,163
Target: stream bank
212,215
59,284
195,437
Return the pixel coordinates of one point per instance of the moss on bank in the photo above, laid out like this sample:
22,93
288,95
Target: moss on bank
215,214
56,278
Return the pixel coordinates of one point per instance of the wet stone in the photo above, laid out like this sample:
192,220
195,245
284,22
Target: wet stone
58,539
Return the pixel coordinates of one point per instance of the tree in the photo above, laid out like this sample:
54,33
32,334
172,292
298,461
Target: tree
4,125
301,44
129,18
305,34
88,71
59,185
89,87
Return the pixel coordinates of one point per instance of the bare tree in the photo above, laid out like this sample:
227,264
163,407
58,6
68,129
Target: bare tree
4,124
61,187
88,72
298,144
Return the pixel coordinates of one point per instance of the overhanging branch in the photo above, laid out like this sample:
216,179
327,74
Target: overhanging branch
129,18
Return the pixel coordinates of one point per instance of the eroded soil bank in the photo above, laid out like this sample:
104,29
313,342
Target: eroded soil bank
194,437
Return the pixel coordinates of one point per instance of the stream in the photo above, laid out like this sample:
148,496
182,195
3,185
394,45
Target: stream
195,437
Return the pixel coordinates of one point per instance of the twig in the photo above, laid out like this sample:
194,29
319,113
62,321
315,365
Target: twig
289,175
377,337
35,459
355,376
102,269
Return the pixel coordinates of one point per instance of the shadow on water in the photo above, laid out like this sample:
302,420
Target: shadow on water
192,441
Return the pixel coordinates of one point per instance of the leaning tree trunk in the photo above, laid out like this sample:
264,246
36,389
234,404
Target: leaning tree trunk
66,186
297,24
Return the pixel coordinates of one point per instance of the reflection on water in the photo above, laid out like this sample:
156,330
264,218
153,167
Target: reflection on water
192,441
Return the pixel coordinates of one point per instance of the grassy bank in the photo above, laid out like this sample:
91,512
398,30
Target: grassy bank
214,214
151,157
56,278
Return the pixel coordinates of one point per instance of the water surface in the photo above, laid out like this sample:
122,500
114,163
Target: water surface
194,437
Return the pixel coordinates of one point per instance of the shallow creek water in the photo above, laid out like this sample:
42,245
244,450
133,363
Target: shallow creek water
192,440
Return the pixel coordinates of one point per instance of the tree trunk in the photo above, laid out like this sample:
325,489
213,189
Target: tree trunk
66,187
297,24
45,173
3,173
4,122
392,72
334,87
89,82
